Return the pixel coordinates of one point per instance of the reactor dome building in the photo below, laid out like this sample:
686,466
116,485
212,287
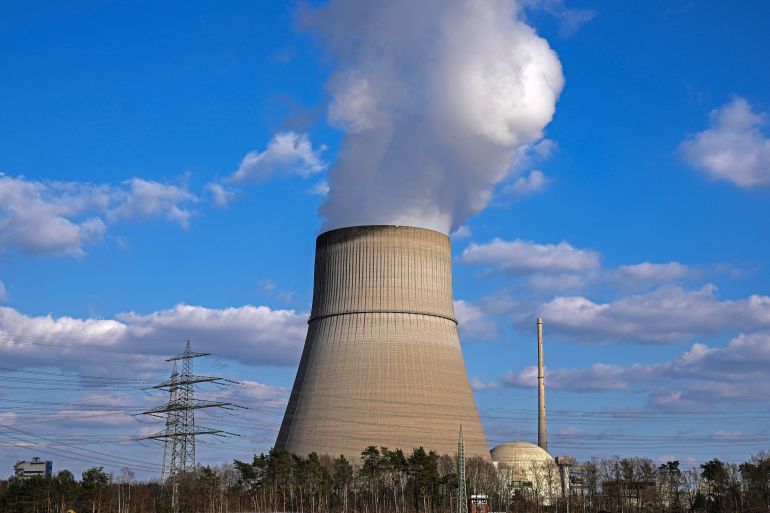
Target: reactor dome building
521,461
382,363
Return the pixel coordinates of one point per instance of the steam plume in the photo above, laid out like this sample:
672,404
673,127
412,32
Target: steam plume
437,99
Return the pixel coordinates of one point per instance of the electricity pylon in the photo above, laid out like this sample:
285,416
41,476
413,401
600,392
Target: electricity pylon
180,431
462,497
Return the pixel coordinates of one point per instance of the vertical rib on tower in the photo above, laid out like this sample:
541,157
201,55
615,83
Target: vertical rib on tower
542,434
382,363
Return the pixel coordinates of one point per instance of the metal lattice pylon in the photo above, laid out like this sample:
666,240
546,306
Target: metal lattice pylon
170,456
180,431
462,496
187,412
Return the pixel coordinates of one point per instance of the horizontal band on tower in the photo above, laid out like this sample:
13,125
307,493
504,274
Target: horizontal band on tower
408,312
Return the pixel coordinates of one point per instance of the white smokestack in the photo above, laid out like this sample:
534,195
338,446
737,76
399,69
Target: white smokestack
542,434
437,99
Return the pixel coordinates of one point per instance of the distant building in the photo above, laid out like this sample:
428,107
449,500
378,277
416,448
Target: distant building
32,468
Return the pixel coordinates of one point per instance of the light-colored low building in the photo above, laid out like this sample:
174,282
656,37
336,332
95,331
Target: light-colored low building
32,468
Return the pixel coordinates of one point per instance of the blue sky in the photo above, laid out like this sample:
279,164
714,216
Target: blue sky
164,166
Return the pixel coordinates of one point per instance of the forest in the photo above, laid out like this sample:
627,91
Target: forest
386,481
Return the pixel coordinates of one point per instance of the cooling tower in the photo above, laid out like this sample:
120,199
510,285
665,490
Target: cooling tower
382,363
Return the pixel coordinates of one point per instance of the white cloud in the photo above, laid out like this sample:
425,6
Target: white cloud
253,335
546,267
149,199
721,434
122,243
463,232
571,432
523,257
3,292
221,196
436,99
50,217
256,335
647,271
286,153
677,402
563,267
598,377
473,322
268,285
251,393
648,275
745,358
553,261
733,149
60,218
546,283
320,188
666,315
272,288
696,395
537,152
534,182
7,417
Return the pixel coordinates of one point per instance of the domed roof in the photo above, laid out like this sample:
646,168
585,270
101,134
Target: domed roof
519,454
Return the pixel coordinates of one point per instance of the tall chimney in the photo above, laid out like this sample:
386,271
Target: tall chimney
382,363
542,434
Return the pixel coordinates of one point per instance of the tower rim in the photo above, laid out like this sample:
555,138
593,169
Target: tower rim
326,233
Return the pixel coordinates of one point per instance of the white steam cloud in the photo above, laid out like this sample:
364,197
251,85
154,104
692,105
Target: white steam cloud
437,98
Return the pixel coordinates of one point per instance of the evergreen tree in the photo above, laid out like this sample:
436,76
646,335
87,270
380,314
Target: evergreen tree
93,482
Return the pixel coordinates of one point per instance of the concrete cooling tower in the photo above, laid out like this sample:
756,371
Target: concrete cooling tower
382,363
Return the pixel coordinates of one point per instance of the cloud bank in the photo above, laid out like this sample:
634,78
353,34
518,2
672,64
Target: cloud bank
133,343
436,98
669,314
581,300
547,267
696,380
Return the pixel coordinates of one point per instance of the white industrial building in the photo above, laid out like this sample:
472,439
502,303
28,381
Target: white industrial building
32,468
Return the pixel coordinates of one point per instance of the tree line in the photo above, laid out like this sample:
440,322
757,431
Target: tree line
386,480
